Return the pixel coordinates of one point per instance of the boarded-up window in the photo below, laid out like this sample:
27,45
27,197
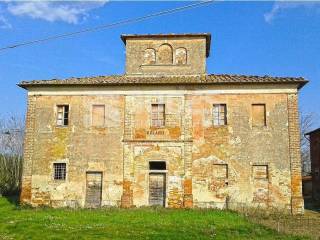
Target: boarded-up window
164,54
219,113
220,171
260,171
181,56
62,115
149,56
158,115
59,171
259,115
98,115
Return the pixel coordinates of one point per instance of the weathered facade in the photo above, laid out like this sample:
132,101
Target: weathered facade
165,133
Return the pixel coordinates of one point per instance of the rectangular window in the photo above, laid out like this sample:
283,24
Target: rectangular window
259,115
59,171
62,115
158,115
260,171
220,171
98,115
219,113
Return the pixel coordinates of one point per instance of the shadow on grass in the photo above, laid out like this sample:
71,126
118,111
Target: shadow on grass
312,205
13,199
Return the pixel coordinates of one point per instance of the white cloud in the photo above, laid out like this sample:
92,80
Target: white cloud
69,12
4,23
280,6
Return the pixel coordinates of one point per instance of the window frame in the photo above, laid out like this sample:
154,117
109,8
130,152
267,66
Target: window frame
160,55
65,121
265,114
261,165
154,53
219,118
63,174
185,56
158,113
104,115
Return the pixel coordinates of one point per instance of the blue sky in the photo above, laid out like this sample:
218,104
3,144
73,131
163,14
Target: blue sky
254,38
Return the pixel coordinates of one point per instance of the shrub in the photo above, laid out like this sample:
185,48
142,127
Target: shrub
10,174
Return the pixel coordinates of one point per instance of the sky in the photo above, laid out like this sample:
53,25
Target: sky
252,38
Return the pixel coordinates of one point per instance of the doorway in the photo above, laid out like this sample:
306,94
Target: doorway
157,183
93,189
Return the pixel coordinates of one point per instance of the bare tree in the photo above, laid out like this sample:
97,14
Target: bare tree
11,149
307,120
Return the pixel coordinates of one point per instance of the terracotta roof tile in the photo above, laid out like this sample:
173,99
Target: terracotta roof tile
163,80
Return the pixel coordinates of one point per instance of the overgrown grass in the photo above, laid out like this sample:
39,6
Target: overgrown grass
145,223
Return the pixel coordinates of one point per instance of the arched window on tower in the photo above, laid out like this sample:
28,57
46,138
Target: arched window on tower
181,56
164,55
149,56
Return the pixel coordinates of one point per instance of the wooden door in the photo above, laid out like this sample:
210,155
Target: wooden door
157,189
93,189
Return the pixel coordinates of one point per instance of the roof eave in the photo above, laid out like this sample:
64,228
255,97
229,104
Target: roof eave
302,83
27,85
313,131
24,86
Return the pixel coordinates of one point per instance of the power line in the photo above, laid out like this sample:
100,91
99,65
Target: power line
115,24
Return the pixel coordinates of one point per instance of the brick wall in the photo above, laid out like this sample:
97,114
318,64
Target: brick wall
297,204
25,196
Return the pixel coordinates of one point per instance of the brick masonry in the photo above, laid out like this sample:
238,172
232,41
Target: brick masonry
297,203
28,151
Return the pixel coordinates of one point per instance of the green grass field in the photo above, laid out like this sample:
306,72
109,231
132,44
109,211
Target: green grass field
146,223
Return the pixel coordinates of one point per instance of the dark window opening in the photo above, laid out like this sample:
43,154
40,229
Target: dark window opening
157,165
59,171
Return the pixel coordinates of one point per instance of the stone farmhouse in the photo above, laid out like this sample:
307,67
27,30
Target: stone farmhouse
164,133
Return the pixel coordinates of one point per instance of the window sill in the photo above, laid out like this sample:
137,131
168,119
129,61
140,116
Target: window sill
222,178
157,128
260,127
58,181
98,127
62,126
164,65
220,126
